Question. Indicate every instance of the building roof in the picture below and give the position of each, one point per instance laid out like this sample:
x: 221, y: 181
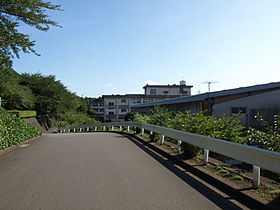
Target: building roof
x: 204, y: 96
x: 167, y: 86
x: 139, y: 96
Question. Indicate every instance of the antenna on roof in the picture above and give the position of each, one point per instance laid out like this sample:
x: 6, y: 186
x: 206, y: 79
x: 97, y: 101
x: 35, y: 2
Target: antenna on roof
x: 209, y: 83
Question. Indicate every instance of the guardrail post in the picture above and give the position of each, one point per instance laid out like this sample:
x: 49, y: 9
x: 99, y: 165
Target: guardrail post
x: 68, y: 130
x: 120, y: 128
x: 87, y: 129
x: 256, y: 176
x: 74, y: 130
x: 127, y: 128
x: 142, y: 131
x: 179, y: 146
x: 104, y: 128
x: 80, y: 129
x: 162, y: 139
x: 206, y: 155
x: 95, y: 128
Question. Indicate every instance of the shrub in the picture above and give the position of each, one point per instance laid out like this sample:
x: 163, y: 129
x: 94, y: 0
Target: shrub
x: 269, y: 138
x: 190, y: 150
x: 13, y: 130
x: 141, y: 118
x: 226, y: 128
x: 154, y: 136
x: 74, y: 118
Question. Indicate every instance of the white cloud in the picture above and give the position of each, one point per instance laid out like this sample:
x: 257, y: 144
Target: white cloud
x: 108, y: 85
x: 150, y: 82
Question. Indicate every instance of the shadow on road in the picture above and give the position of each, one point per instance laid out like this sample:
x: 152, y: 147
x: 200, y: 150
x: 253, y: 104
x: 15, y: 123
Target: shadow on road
x: 171, y: 162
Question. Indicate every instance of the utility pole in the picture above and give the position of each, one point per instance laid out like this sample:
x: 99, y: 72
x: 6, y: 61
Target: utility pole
x: 208, y: 95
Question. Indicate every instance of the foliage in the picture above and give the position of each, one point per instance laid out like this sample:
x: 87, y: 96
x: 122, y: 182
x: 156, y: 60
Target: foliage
x: 269, y: 138
x: 51, y: 96
x: 238, y: 177
x: 130, y: 116
x: 142, y: 118
x: 14, y: 95
x: 14, y: 12
x: 160, y: 116
x: 75, y: 118
x: 13, y: 130
x: 23, y: 114
x: 226, y: 128
x: 43, y: 94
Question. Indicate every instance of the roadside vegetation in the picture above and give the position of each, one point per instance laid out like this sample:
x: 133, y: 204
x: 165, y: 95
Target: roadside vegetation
x: 13, y: 130
x: 226, y: 128
x: 43, y: 96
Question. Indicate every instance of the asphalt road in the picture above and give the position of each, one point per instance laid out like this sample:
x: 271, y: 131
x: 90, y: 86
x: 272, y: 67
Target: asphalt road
x: 96, y: 171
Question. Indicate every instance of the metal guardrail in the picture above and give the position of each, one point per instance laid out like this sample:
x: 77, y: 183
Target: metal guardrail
x: 259, y: 158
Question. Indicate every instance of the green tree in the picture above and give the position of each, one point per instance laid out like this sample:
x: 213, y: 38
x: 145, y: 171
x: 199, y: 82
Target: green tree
x: 14, y: 95
x: 52, y: 97
x: 14, y: 12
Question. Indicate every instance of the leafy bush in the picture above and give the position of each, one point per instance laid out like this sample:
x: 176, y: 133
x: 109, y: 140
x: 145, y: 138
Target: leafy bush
x: 154, y: 136
x: 74, y: 118
x: 13, y: 130
x: 160, y: 116
x: 129, y: 116
x: 226, y: 128
x: 142, y: 118
x: 269, y: 138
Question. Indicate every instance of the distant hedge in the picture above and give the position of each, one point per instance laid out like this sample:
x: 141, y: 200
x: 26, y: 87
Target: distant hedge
x: 23, y: 114
x: 14, y: 130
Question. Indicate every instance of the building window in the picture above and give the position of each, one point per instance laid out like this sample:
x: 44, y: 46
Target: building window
x: 123, y: 110
x: 147, y: 100
x: 111, y: 113
x: 123, y: 100
x: 121, y: 117
x: 236, y: 110
x: 111, y: 104
x: 165, y: 92
x: 159, y: 99
x: 136, y: 100
x: 153, y: 91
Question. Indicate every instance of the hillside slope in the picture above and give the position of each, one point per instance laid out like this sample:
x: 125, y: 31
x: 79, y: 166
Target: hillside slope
x: 13, y: 130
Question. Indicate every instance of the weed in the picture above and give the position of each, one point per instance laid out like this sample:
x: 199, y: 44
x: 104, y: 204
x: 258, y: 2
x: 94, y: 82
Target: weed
x: 222, y: 170
x: 237, y: 177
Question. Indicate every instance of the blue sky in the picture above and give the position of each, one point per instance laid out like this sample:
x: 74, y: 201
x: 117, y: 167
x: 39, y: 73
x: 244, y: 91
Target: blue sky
x: 117, y: 46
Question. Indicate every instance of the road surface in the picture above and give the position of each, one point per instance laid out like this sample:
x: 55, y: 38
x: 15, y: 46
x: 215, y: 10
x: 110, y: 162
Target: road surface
x: 95, y: 171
